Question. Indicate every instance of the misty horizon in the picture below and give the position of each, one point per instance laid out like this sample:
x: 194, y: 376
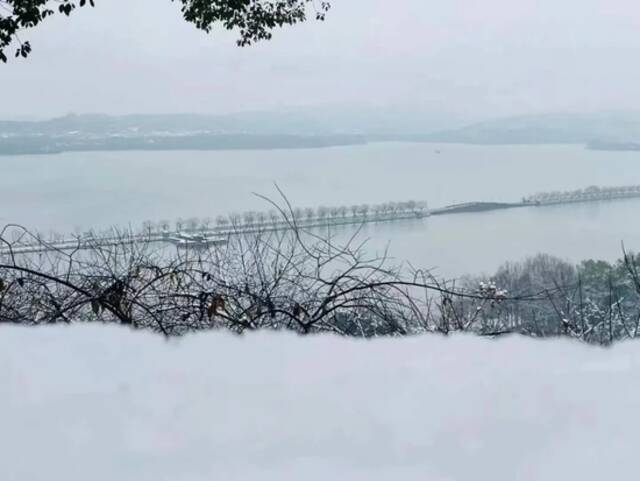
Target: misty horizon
x: 322, y: 108
x: 471, y: 61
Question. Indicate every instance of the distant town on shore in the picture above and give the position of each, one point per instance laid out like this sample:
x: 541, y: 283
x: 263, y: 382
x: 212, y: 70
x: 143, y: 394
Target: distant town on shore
x: 302, y: 129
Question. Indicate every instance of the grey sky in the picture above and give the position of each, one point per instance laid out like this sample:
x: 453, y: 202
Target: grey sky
x: 472, y: 57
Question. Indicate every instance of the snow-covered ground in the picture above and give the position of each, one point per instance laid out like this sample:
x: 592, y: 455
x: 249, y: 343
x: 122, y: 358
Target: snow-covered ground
x: 107, y: 404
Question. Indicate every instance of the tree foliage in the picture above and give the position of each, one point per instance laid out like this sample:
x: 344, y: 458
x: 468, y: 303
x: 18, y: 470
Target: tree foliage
x: 253, y: 19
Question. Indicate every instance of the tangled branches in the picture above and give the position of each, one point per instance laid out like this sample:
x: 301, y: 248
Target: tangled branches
x: 293, y: 279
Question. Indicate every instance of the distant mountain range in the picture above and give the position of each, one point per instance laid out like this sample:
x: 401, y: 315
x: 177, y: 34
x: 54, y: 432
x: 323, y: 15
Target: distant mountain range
x: 609, y: 128
x: 312, y: 122
x: 310, y: 129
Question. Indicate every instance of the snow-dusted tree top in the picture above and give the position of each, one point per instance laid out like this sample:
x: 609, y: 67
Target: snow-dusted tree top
x: 580, y: 195
x: 102, y: 403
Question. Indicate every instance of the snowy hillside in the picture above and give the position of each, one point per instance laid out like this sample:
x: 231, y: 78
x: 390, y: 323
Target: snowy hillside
x: 105, y: 404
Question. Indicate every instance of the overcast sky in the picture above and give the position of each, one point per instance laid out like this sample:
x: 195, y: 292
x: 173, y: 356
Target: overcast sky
x: 476, y: 58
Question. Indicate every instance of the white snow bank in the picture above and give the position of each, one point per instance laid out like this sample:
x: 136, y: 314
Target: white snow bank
x: 102, y: 403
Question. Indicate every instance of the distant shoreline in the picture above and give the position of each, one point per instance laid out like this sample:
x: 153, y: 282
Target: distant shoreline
x: 614, y: 132
x: 32, y: 145
x: 45, y: 145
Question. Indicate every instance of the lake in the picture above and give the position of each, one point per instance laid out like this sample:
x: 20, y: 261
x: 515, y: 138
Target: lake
x: 76, y: 191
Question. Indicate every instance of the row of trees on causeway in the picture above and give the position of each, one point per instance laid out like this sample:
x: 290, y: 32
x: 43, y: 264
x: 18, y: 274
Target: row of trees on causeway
x: 295, y: 279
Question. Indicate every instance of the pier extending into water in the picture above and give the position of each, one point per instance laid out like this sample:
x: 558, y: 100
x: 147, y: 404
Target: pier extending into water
x: 202, y: 233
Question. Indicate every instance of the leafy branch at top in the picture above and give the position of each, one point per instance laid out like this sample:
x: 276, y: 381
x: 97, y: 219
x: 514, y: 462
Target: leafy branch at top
x: 254, y: 19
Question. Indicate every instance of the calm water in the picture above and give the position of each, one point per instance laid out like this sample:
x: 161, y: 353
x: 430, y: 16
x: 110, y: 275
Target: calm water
x: 80, y: 190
